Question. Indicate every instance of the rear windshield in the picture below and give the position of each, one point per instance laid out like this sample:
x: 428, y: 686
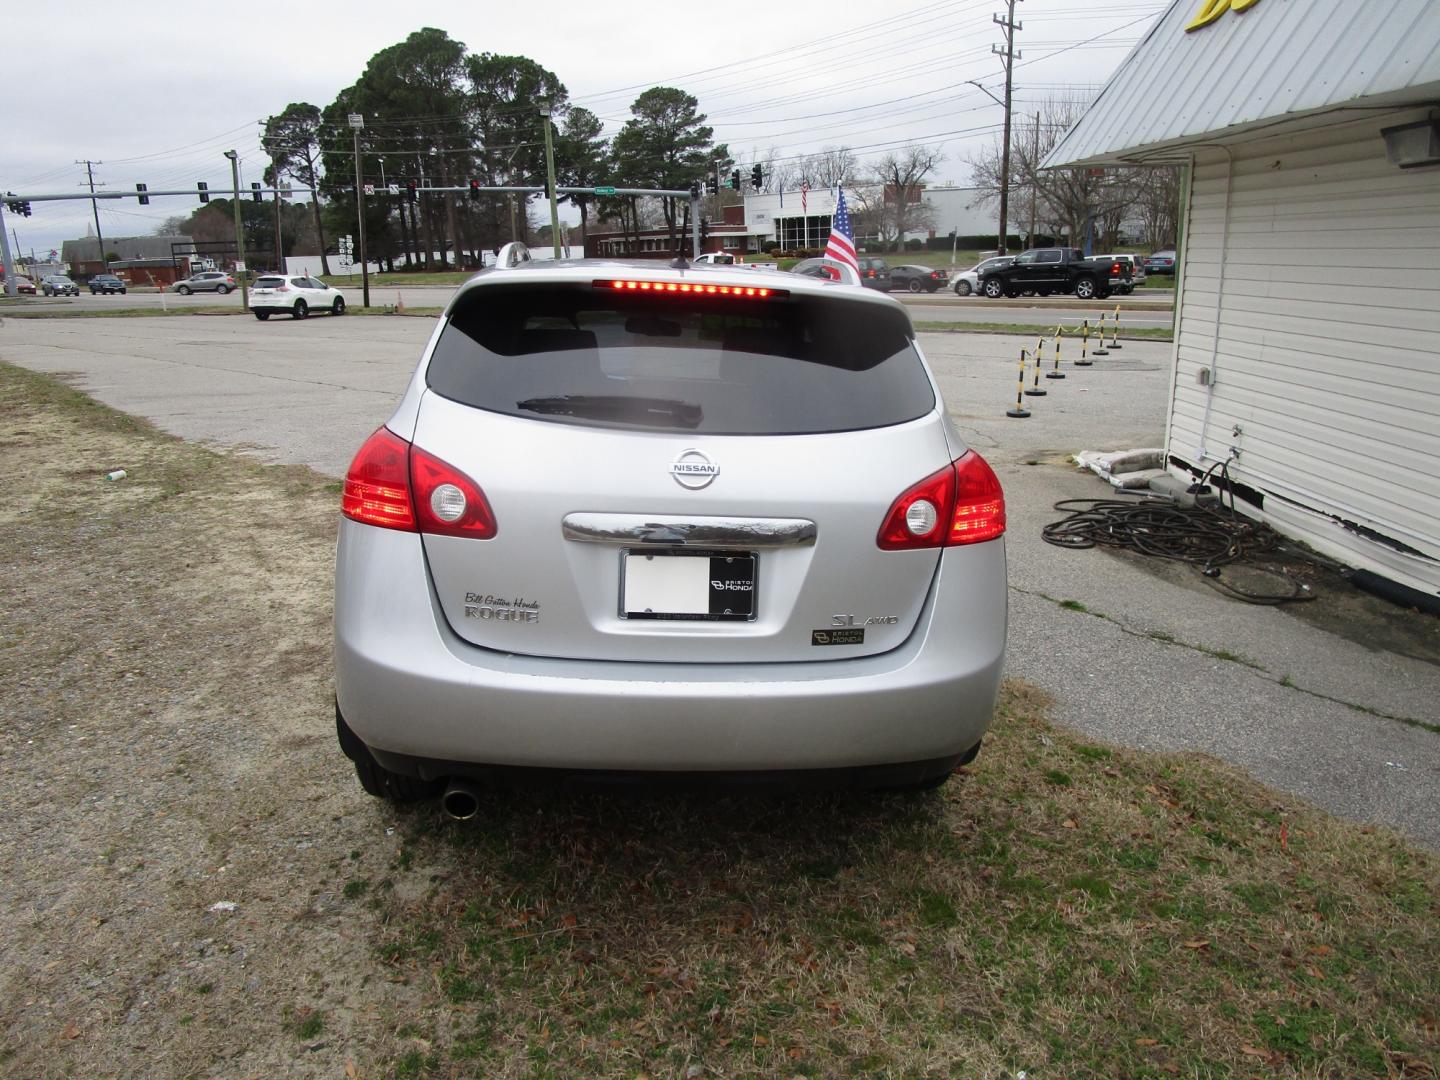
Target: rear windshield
x: 581, y: 354
x: 269, y: 282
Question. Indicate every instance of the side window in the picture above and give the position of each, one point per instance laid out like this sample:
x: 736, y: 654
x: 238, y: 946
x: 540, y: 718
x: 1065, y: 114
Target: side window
x: 1026, y: 258
x: 300, y: 282
x: 316, y: 283
x: 1048, y: 257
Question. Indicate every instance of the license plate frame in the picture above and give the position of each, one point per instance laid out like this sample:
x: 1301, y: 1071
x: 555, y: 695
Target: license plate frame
x: 652, y: 590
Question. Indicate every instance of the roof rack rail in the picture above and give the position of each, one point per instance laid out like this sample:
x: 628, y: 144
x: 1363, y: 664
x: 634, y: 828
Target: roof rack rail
x: 512, y: 255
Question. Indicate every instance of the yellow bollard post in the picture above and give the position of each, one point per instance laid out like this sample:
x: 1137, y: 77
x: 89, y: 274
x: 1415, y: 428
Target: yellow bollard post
x: 1115, y: 330
x: 1019, y: 411
x: 1084, y: 360
x: 1100, y: 349
x: 1035, y: 390
x: 1056, y: 373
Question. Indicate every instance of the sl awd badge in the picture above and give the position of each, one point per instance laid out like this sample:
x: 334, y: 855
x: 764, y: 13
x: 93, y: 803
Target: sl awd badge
x: 693, y: 470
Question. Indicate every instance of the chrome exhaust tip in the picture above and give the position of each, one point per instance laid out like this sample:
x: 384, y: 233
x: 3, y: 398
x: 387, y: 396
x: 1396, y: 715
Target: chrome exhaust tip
x: 461, y: 800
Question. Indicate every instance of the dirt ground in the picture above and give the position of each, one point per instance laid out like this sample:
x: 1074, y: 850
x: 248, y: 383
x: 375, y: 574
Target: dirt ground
x: 164, y: 674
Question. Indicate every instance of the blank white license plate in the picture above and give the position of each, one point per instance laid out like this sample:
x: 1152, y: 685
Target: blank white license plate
x: 715, y: 586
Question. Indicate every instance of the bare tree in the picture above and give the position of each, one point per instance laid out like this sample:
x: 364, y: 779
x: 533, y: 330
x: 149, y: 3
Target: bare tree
x: 1066, y: 200
x: 901, y: 175
x: 834, y: 166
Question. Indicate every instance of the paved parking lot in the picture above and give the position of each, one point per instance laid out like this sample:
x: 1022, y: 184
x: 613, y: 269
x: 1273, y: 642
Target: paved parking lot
x: 1298, y: 710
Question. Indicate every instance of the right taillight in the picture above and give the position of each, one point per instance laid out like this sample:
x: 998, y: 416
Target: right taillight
x: 960, y: 504
x: 395, y: 485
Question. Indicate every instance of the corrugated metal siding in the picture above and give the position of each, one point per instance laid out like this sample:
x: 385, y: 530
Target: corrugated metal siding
x: 1328, y: 354
x: 1280, y: 58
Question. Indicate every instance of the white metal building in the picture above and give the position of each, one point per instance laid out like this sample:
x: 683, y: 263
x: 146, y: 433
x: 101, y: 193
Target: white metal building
x: 960, y: 210
x: 1307, y: 351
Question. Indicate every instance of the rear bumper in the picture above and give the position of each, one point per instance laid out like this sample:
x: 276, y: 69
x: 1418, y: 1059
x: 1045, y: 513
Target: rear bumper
x: 420, y: 697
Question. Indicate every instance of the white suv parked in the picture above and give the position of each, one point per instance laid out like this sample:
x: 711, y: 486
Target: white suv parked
x: 295, y: 296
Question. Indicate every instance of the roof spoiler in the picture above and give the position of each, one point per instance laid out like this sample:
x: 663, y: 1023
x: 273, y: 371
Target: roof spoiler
x: 848, y: 274
x: 512, y: 255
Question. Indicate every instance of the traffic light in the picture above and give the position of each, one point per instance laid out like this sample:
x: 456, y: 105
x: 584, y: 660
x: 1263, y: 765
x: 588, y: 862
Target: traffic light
x: 255, y: 192
x: 18, y: 206
x: 204, y: 190
x: 735, y: 180
x: 704, y: 228
x: 475, y: 190
x: 757, y: 177
x: 140, y: 190
x: 694, y: 189
x: 412, y: 191
x: 712, y: 187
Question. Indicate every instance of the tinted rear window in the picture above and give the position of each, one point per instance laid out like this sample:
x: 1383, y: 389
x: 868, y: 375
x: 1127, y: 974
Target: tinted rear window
x: 269, y: 282
x: 575, y: 353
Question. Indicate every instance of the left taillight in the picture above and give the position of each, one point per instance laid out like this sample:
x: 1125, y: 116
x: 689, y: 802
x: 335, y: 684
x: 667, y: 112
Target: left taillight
x: 961, y: 504
x: 395, y: 485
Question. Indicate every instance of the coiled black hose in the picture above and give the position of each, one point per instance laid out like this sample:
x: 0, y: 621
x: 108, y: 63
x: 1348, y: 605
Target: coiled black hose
x: 1206, y: 538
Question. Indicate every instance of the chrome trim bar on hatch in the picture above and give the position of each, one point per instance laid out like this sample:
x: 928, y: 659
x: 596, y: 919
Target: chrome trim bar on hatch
x: 702, y: 532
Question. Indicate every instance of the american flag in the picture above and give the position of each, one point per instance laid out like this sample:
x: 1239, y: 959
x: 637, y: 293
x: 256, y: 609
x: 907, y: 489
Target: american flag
x: 842, y: 239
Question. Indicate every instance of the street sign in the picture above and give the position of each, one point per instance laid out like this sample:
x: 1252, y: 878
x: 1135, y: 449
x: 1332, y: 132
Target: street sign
x: 393, y: 189
x: 369, y: 189
x: 604, y: 191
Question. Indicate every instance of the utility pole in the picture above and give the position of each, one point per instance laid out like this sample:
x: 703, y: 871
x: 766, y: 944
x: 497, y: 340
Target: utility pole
x: 357, y: 124
x: 546, y: 110
x: 95, y: 209
x: 239, y: 231
x: 1008, y: 54
x: 1034, y: 181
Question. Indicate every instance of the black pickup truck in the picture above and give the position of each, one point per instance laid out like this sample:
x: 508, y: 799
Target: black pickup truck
x: 1044, y: 271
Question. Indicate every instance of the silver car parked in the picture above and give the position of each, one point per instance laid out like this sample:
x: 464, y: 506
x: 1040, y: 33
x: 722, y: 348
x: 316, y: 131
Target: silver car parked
x: 636, y: 519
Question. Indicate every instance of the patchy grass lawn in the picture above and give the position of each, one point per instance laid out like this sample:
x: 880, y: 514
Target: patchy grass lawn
x: 1061, y: 908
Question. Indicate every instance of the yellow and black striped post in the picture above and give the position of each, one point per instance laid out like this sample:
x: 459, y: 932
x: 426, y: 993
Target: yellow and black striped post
x: 1035, y: 390
x: 1019, y: 411
x: 1056, y: 373
x: 1084, y: 360
x: 1115, y: 330
x: 1100, y: 349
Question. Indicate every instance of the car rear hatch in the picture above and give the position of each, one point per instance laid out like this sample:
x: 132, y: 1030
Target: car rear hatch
x: 690, y: 478
x: 269, y: 288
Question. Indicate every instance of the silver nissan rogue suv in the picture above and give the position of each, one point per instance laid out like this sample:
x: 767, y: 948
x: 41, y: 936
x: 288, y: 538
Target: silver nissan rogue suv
x: 661, y: 521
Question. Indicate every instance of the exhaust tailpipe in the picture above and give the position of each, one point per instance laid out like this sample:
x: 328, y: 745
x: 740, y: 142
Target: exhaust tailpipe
x: 461, y: 800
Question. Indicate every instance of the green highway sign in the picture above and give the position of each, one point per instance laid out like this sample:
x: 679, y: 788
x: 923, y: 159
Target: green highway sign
x: 604, y: 191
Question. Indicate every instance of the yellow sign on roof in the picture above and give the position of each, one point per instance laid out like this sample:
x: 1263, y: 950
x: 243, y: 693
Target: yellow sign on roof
x: 1210, y: 10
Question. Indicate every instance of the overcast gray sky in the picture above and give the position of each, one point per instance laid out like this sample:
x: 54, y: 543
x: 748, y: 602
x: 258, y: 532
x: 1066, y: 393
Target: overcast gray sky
x: 157, y: 92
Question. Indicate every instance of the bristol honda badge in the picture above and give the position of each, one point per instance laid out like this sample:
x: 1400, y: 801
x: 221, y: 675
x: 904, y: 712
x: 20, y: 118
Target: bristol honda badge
x: 693, y: 470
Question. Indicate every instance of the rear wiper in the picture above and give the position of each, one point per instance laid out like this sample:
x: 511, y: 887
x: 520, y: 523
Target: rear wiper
x: 621, y: 408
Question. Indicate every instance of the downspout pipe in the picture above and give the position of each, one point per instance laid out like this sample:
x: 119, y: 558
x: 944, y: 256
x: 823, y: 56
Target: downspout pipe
x: 1202, y: 451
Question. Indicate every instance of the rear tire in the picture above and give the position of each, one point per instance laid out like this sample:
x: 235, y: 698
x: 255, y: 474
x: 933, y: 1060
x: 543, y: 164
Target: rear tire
x: 222, y: 289
x: 262, y: 315
x: 374, y: 777
x: 1085, y: 289
x: 993, y: 288
x: 301, y: 309
x: 962, y: 288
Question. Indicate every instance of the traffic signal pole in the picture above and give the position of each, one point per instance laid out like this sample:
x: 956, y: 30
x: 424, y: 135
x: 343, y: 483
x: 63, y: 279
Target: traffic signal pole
x: 5, y: 255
